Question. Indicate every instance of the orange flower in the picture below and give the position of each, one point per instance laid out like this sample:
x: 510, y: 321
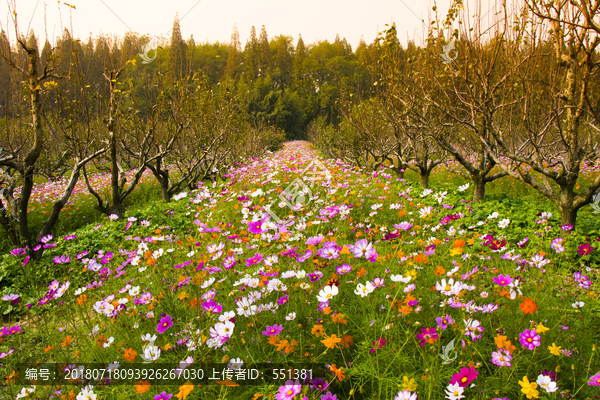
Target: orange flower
x: 142, y: 386
x: 327, y: 310
x: 458, y: 243
x: 347, y: 341
x: 100, y: 340
x: 274, y: 340
x: 502, y: 343
x: 339, y: 372
x: 439, y: 270
x: 331, y: 341
x: 405, y: 310
x: 528, y: 306
x: 339, y: 319
x: 130, y: 354
x: 194, y: 303
x: 361, y: 272
x: 67, y: 341
x: 184, y: 390
x: 82, y: 299
x: 317, y: 330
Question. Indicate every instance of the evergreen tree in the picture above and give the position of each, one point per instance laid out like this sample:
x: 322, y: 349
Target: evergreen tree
x: 264, y: 65
x: 234, y: 56
x: 251, y: 56
x: 176, y: 62
x: 5, y: 77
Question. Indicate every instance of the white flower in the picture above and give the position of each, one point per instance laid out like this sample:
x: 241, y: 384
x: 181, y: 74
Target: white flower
x: 450, y: 288
x: 400, y: 278
x: 291, y: 316
x: 425, y: 212
x: 86, y: 394
x: 113, y: 217
x: 405, y: 395
x: 109, y: 342
x: 364, y: 290
x: 493, y: 215
x: 327, y: 293
x: 464, y: 187
x: 547, y: 383
x: 578, y: 304
x: 149, y: 338
x: 454, y: 392
x: 235, y: 363
x: 134, y: 291
x: 440, y: 196
x: 504, y: 223
x: 426, y: 192
x: 151, y: 353
x: 257, y: 192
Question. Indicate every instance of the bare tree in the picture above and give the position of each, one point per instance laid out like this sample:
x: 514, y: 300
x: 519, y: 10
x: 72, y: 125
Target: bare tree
x: 19, y: 161
x: 557, y: 142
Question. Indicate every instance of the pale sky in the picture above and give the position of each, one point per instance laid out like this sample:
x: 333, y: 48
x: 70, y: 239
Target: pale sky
x: 213, y: 20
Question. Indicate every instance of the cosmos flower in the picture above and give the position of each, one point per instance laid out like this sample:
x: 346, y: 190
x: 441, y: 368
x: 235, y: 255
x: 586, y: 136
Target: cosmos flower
x: 530, y: 339
x: 164, y: 323
x: 464, y: 377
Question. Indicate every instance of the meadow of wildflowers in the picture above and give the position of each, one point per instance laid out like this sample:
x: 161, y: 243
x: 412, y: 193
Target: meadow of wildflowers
x: 366, y: 283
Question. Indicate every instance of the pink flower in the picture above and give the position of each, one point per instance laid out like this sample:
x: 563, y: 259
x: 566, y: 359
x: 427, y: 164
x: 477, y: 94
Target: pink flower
x: 164, y: 323
x: 584, y: 249
x: 464, y: 377
x: 289, y: 390
x: 530, y: 339
x: 163, y: 396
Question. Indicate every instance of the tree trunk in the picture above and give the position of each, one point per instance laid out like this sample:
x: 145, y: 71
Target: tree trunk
x: 568, y: 213
x: 425, y: 173
x: 164, y: 187
x: 478, y: 189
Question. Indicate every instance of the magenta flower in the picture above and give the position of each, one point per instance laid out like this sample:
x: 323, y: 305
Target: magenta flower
x: 62, y: 259
x: 503, y: 280
x: 255, y: 227
x: 254, y: 260
x: 273, y: 330
x: 164, y: 323
x: 427, y: 335
x: 584, y: 249
x: 329, y: 396
x: 464, y: 377
x: 530, y: 339
x: 162, y: 396
x: 212, y: 306
x: 378, y: 344
x: 289, y: 390
x: 594, y: 380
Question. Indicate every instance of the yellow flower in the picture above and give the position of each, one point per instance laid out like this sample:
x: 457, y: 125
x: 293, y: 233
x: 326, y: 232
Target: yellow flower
x: 529, y: 388
x: 409, y: 385
x: 554, y: 349
x: 541, y: 328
